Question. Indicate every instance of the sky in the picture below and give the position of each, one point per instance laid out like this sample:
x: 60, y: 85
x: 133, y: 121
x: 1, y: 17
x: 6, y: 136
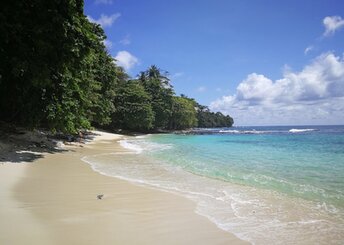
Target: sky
x: 264, y: 62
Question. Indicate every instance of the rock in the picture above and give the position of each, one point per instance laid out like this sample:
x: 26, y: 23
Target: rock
x: 59, y: 144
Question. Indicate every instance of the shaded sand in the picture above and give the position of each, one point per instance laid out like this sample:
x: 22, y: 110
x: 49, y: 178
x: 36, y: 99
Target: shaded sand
x: 54, y: 201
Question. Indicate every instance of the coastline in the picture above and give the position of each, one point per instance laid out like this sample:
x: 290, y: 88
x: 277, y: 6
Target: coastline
x: 54, y: 201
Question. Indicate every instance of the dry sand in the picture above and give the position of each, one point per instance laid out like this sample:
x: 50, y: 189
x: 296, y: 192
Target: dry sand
x: 54, y: 201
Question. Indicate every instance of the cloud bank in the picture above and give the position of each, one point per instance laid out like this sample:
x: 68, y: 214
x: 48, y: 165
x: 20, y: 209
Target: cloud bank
x: 315, y: 94
x: 126, y: 60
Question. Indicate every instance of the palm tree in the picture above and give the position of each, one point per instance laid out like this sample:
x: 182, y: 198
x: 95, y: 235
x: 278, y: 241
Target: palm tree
x: 154, y: 72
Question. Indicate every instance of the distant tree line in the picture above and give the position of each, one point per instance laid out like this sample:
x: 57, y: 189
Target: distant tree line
x: 208, y: 119
x: 55, y: 72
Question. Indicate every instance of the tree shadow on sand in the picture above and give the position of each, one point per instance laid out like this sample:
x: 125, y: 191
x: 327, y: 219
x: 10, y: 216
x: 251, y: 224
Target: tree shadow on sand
x: 26, y: 146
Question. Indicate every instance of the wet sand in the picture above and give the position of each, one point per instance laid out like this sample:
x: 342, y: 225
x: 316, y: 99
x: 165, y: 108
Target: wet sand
x: 54, y: 201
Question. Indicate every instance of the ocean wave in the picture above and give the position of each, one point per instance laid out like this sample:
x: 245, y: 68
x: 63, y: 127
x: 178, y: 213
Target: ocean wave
x: 131, y: 146
x: 252, y: 212
x: 138, y: 145
x: 234, y: 208
x: 299, y: 130
x: 249, y: 131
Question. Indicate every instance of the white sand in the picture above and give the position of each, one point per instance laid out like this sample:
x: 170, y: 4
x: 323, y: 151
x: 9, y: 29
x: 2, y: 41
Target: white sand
x: 53, y: 201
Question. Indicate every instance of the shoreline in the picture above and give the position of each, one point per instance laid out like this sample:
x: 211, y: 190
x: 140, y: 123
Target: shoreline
x: 57, y: 196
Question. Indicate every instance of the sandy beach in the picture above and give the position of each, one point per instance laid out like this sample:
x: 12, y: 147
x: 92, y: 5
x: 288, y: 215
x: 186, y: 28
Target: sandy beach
x: 53, y: 200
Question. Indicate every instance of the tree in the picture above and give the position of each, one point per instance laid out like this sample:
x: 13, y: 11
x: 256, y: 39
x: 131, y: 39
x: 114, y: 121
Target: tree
x: 55, y: 72
x: 108, y: 76
x: 183, y: 113
x: 161, y: 92
x: 50, y: 71
x: 133, y: 108
x: 208, y: 119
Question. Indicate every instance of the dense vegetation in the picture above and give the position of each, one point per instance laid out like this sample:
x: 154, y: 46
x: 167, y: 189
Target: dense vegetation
x: 208, y: 119
x: 55, y: 72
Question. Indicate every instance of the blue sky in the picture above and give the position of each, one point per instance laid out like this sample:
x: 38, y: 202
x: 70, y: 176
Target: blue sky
x: 262, y: 62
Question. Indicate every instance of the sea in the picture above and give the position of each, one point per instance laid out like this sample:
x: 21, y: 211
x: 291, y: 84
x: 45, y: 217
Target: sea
x: 266, y: 185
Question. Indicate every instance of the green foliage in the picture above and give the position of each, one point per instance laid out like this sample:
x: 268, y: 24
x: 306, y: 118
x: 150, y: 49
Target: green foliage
x: 55, y: 72
x: 161, y: 92
x: 183, y: 113
x: 134, y: 110
x: 208, y: 119
x: 50, y: 71
x: 108, y: 76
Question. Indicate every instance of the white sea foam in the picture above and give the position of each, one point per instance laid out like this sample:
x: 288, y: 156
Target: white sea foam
x: 230, y: 131
x: 299, y: 130
x: 249, y: 131
x: 139, y: 144
x: 131, y: 146
x: 253, y: 131
x: 142, y: 136
x: 251, y: 214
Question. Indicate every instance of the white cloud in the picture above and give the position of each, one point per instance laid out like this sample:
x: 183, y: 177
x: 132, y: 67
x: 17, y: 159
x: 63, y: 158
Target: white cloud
x: 126, y: 40
x: 108, y: 44
x: 313, y: 95
x: 254, y: 88
x: 308, y: 49
x: 201, y: 89
x: 105, y: 20
x: 126, y: 60
x: 332, y: 24
x: 103, y: 1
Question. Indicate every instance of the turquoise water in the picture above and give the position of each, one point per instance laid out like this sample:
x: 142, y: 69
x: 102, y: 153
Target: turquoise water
x: 300, y: 163
x: 266, y: 185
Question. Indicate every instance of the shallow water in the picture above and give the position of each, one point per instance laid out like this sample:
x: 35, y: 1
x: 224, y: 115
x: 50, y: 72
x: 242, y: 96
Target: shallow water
x: 280, y: 185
